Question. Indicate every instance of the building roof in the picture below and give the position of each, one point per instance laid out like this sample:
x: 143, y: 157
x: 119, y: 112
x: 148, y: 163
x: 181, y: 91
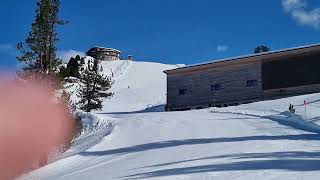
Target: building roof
x: 264, y: 54
x: 104, y: 48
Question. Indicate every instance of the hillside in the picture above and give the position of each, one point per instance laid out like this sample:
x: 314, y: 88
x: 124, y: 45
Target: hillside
x: 128, y: 139
x: 138, y: 85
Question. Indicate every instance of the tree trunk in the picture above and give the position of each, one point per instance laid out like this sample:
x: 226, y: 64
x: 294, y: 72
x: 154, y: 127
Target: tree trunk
x: 50, y: 47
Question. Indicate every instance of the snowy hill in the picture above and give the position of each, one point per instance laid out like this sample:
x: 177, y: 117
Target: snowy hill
x: 138, y: 85
x: 129, y: 141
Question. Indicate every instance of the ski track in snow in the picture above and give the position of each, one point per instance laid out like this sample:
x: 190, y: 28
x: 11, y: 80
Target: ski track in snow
x: 129, y: 140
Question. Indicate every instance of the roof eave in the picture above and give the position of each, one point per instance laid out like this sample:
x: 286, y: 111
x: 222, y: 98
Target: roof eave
x: 171, y: 71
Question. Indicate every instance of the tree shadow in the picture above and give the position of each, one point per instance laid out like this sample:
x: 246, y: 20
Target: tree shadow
x: 277, y: 155
x: 229, y: 119
x: 315, y: 120
x: 159, y: 108
x: 293, y: 121
x: 270, y: 164
x: 311, y: 102
x: 175, y: 143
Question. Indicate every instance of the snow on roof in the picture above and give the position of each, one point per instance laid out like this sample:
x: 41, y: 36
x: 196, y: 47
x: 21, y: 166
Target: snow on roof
x: 106, y: 48
x: 246, y: 56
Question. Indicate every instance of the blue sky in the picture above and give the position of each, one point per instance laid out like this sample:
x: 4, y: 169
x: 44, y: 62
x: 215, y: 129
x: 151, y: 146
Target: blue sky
x: 168, y: 31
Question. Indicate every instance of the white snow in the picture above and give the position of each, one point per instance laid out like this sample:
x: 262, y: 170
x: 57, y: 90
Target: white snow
x: 138, y: 86
x: 132, y: 141
x: 95, y: 128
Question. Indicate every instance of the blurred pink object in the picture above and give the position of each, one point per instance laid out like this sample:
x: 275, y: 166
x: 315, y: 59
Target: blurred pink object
x: 32, y: 124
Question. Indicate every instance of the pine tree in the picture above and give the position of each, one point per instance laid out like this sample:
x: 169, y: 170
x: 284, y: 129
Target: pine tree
x: 82, y: 62
x: 38, y: 52
x: 73, y: 67
x: 63, y: 73
x: 93, y: 88
x: 261, y: 49
x: 65, y: 99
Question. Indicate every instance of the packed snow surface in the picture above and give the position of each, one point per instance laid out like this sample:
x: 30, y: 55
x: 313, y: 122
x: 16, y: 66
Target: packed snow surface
x: 137, y: 141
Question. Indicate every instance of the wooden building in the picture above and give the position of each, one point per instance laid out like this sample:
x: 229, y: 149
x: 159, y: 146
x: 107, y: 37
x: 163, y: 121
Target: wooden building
x: 245, y: 79
x: 104, y: 54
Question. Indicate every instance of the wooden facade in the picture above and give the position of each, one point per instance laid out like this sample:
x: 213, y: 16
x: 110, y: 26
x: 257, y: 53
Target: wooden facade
x: 244, y: 79
x: 104, y: 54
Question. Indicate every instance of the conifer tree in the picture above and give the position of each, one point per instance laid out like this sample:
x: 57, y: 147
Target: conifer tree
x: 65, y: 99
x: 63, y: 73
x: 73, y: 67
x: 261, y: 49
x: 38, y: 52
x: 93, y: 88
x: 82, y: 62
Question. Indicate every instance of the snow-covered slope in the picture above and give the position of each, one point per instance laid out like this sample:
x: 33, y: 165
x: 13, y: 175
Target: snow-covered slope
x: 255, y: 141
x: 138, y: 85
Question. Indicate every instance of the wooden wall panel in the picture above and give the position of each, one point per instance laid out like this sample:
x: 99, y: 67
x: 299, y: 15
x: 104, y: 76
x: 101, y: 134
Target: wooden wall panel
x: 232, y: 79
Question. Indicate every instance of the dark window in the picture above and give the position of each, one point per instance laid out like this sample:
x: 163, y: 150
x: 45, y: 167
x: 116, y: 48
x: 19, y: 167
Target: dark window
x: 291, y: 71
x: 216, y: 87
x: 182, y: 91
x: 252, y: 83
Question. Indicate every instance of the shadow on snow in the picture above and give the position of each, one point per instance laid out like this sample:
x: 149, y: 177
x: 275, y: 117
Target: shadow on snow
x: 270, y: 164
x: 175, y: 143
x: 159, y: 108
